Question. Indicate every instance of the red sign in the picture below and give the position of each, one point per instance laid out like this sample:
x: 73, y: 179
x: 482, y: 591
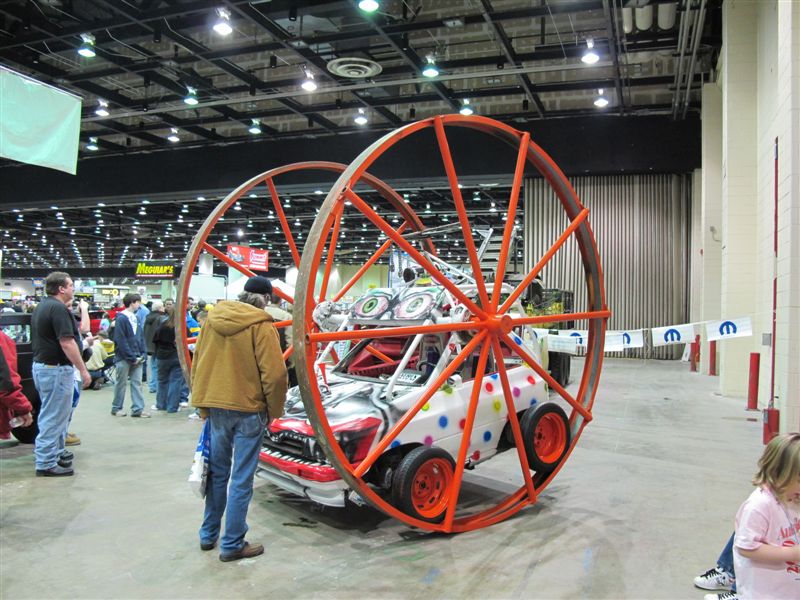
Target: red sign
x: 252, y: 258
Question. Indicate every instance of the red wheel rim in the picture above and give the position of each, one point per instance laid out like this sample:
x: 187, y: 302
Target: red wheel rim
x: 429, y: 490
x: 550, y: 438
x: 491, y: 324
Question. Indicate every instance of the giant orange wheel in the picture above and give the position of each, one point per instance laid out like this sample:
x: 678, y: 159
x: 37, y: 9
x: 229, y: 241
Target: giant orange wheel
x: 428, y: 484
x: 270, y: 182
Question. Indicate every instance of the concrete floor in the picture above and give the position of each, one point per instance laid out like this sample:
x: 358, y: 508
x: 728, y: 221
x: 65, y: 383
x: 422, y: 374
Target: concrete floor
x: 644, y: 504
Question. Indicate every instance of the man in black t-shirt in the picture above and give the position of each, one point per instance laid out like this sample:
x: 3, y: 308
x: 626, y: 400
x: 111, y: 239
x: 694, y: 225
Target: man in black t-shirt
x: 56, y: 353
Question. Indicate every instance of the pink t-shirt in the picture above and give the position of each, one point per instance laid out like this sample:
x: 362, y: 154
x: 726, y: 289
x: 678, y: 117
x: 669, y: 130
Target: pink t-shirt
x: 764, y: 520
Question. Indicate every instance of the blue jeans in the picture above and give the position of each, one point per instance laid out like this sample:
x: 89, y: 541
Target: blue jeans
x: 56, y: 386
x: 170, y: 382
x: 725, y: 560
x: 152, y: 378
x: 237, y: 434
x: 125, y: 371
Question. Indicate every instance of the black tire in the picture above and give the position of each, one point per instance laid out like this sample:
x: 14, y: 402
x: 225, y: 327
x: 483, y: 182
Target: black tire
x: 559, y: 364
x: 545, y: 435
x: 421, y: 483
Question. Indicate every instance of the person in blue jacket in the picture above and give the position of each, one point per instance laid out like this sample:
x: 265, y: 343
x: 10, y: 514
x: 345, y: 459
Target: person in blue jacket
x: 129, y: 355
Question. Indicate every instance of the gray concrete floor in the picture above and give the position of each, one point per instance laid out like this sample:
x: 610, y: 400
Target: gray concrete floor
x: 645, y: 503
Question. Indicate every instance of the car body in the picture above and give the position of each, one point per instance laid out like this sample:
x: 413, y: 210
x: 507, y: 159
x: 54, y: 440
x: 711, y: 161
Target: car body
x: 378, y: 380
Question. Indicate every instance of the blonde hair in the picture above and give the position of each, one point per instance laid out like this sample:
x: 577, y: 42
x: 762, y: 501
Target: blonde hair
x: 779, y: 465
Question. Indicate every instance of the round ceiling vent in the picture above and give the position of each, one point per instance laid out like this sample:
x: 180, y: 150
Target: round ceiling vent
x: 354, y: 68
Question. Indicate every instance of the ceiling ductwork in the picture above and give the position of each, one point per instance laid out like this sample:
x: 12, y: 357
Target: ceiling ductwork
x: 667, y: 14
x: 353, y: 67
x: 644, y: 18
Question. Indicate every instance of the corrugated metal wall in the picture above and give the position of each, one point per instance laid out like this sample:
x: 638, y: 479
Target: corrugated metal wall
x: 641, y: 225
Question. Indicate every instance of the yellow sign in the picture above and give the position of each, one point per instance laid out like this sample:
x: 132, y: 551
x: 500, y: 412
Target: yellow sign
x: 156, y: 271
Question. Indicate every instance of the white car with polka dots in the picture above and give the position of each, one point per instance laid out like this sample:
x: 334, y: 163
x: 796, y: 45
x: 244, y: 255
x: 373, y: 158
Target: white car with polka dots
x: 378, y: 380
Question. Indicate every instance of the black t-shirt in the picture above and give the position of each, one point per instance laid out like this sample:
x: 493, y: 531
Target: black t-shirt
x: 164, y: 341
x: 50, y: 322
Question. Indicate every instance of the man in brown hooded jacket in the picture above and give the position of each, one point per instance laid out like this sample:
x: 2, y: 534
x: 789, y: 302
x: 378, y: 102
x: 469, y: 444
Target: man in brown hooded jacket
x: 239, y: 382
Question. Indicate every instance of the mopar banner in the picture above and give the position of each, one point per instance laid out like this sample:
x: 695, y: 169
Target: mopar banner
x: 255, y: 259
x: 147, y: 269
x: 673, y: 334
x: 720, y: 330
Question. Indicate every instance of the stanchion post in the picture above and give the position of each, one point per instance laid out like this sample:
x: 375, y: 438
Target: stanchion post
x: 752, y: 390
x: 694, y: 350
x: 712, y: 357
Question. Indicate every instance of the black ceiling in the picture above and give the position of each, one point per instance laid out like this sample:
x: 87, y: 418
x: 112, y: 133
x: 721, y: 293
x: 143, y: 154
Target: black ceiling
x: 515, y: 60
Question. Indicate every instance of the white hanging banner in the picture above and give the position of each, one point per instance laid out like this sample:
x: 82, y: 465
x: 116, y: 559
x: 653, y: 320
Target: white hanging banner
x: 632, y: 338
x: 540, y: 334
x: 731, y: 328
x: 673, y: 334
x: 581, y: 335
x: 614, y: 342
x: 562, y: 343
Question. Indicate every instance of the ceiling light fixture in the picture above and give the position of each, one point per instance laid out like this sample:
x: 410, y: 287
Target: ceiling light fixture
x: 255, y: 127
x: 102, y: 108
x: 601, y: 101
x: 191, y: 96
x: 173, y: 136
x: 368, y: 5
x: 466, y: 109
x: 223, y: 25
x: 309, y: 84
x: 590, y: 57
x: 430, y: 69
x: 86, y: 49
x: 92, y: 145
x: 361, y: 118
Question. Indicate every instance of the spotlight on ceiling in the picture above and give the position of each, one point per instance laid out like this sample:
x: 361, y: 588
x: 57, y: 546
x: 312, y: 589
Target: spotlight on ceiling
x: 223, y: 23
x: 92, y: 146
x: 255, y: 127
x: 102, y: 108
x: 590, y: 56
x: 466, y: 109
x: 430, y: 69
x: 368, y: 5
x: 191, y: 96
x: 601, y: 101
x: 173, y: 135
x: 361, y: 118
x: 309, y: 84
x: 86, y: 48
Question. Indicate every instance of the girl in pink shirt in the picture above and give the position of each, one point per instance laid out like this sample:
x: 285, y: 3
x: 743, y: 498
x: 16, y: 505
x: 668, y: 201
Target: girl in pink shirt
x: 767, y: 542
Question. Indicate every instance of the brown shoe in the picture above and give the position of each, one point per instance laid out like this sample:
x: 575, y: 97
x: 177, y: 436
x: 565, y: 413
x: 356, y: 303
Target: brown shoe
x: 248, y: 551
x: 72, y: 440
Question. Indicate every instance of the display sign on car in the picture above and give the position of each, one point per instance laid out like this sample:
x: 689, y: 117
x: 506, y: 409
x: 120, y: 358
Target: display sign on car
x: 252, y: 258
x: 148, y: 269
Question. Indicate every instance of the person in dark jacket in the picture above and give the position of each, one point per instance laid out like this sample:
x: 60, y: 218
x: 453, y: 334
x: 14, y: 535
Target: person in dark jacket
x: 152, y: 322
x: 170, y: 375
x: 13, y: 402
x: 129, y: 356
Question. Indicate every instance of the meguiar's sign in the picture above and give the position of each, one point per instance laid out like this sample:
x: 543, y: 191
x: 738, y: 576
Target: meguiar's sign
x: 153, y: 270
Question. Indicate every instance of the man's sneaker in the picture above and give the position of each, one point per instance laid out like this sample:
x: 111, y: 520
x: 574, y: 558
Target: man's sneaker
x: 119, y: 413
x: 194, y: 416
x: 56, y: 471
x: 155, y: 408
x: 72, y: 440
x: 141, y: 415
x: 722, y: 596
x: 714, y: 579
x: 67, y: 455
x: 184, y: 404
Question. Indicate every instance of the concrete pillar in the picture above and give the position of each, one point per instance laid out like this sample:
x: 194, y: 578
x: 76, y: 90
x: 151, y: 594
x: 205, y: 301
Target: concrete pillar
x: 711, y: 212
x: 787, y: 102
x: 739, y: 185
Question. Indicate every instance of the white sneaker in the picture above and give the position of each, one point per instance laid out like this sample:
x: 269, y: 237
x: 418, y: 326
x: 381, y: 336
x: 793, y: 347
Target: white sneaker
x: 722, y: 596
x: 155, y: 408
x: 183, y: 404
x: 715, y: 579
x: 194, y: 416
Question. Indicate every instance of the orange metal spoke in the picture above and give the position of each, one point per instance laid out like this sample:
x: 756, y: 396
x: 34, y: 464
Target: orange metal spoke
x: 412, y: 252
x: 595, y: 314
x: 331, y: 250
x: 455, y: 489
x: 227, y: 259
x: 545, y: 259
x: 372, y: 260
x: 469, y: 242
x: 432, y: 388
x: 281, y: 324
x: 546, y: 376
x: 287, y: 231
x: 377, y: 353
x: 512, y: 214
x: 288, y: 352
x: 382, y: 332
x: 512, y: 418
